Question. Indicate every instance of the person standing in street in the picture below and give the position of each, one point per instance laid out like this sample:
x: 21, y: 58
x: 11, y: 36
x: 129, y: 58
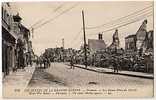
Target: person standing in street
x: 72, y: 62
x: 48, y: 61
x: 115, y: 64
x: 37, y: 61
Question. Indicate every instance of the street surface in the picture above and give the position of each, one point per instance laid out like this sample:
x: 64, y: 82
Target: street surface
x: 60, y: 75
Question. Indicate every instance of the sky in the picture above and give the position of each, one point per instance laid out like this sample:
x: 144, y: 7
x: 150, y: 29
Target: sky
x: 69, y: 24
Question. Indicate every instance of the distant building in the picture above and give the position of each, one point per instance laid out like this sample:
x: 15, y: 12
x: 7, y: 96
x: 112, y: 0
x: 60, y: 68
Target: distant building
x: 96, y: 44
x: 139, y: 42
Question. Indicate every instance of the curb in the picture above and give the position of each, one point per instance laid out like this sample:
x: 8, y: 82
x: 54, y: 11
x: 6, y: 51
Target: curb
x: 132, y: 75
x: 23, y: 83
x: 30, y: 77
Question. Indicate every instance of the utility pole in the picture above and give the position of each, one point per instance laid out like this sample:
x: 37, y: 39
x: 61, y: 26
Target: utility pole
x: 63, y: 43
x: 85, y: 50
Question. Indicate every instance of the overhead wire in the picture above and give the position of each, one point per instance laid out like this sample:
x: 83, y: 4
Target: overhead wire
x: 55, y: 10
x: 124, y: 17
x: 123, y: 21
x: 118, y: 25
x: 125, y: 24
x: 129, y: 21
x: 52, y: 19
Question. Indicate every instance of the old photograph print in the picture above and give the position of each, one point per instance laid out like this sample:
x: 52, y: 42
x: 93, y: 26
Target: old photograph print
x: 77, y: 49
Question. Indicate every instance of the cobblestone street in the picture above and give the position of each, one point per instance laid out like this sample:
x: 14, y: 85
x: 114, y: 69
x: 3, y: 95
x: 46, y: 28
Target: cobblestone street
x: 60, y: 74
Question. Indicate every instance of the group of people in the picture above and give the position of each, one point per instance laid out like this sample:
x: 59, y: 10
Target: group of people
x: 43, y: 62
x: 132, y: 63
x: 115, y: 63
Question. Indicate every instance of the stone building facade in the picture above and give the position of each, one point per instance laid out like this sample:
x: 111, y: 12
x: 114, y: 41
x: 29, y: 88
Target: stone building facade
x: 15, y: 37
x: 8, y: 40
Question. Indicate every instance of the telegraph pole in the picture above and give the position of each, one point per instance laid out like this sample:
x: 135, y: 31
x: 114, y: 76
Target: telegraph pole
x: 63, y: 43
x: 85, y: 50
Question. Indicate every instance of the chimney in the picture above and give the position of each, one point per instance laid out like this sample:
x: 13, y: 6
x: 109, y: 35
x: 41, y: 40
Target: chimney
x: 100, y: 36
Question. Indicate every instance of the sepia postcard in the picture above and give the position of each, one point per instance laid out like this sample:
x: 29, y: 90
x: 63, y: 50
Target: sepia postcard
x: 58, y: 49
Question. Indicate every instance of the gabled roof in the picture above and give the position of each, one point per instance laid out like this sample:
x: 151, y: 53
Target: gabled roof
x: 95, y: 44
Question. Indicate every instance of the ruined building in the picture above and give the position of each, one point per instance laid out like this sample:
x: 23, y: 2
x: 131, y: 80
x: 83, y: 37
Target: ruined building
x: 115, y: 43
x: 142, y: 41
